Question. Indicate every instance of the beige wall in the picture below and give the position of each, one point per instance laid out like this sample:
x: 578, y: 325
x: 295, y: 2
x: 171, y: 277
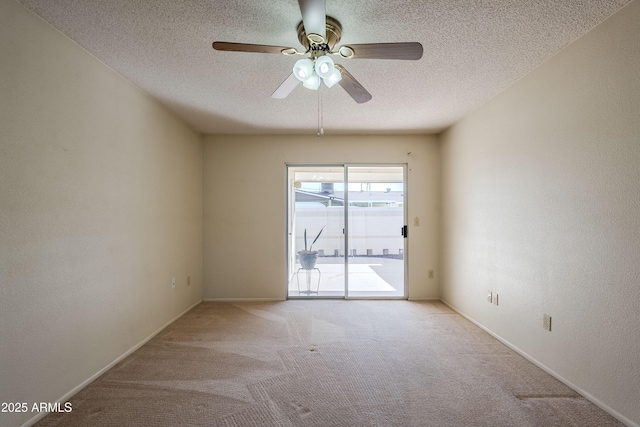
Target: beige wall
x: 100, y: 206
x: 541, y: 203
x: 245, y: 206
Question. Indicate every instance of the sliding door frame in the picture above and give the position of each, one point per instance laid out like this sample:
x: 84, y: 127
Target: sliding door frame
x: 345, y: 182
x: 289, y: 246
x: 405, y: 240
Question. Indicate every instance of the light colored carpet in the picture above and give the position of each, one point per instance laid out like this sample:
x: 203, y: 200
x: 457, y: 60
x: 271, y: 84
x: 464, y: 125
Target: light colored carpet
x: 327, y: 363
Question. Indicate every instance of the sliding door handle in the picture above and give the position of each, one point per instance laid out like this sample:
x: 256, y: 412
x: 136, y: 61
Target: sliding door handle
x: 404, y: 231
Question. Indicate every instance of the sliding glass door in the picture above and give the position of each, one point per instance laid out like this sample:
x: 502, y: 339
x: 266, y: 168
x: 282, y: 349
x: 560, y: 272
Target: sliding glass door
x: 316, y: 231
x: 376, y: 219
x: 345, y: 231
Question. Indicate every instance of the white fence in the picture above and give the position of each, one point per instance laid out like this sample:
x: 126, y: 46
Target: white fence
x: 372, y: 231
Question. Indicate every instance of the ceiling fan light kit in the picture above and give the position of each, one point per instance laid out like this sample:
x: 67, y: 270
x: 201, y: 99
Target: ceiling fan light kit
x: 312, y: 82
x: 324, y: 66
x: 319, y: 34
x: 332, y: 78
x: 310, y: 73
x: 303, y: 69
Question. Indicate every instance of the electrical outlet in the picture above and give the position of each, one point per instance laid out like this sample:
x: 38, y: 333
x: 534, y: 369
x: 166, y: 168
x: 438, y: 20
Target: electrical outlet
x: 430, y: 274
x: 489, y: 294
x: 173, y: 283
x: 546, y: 322
x: 494, y: 298
x: 188, y: 280
x: 416, y: 222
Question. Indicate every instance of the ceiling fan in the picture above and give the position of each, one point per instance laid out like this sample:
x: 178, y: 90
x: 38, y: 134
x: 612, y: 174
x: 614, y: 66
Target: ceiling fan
x: 319, y: 34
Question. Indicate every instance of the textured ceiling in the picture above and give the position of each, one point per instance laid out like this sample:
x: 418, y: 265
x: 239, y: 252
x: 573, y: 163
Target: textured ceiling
x: 473, y: 49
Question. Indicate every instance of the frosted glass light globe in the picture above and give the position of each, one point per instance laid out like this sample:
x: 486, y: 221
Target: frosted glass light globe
x: 324, y: 66
x: 303, y: 69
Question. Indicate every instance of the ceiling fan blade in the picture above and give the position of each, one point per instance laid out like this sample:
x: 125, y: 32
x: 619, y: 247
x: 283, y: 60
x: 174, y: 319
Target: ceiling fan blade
x: 245, y: 47
x: 353, y: 87
x: 286, y: 87
x: 411, y: 50
x: 314, y: 16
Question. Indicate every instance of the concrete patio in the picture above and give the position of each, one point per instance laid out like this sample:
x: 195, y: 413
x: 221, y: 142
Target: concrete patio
x: 368, y: 277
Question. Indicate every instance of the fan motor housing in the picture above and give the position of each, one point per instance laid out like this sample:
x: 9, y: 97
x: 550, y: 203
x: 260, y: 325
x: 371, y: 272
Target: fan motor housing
x: 333, y: 34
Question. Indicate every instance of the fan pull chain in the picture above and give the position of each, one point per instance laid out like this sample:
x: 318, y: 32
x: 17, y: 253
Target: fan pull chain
x: 320, y: 115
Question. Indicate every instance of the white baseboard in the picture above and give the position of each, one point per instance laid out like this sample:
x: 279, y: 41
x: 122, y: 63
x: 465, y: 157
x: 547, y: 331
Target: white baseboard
x: 548, y: 370
x: 284, y: 299
x: 243, y: 299
x: 93, y: 377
